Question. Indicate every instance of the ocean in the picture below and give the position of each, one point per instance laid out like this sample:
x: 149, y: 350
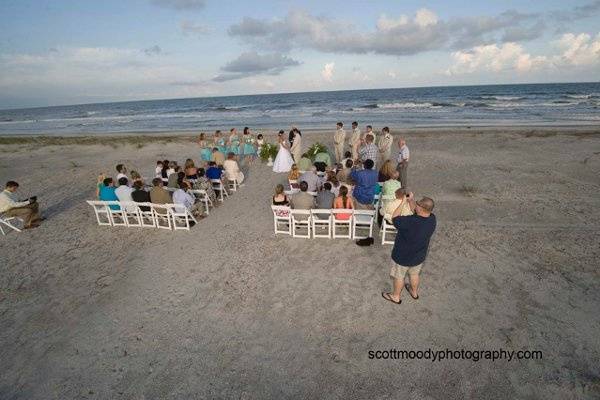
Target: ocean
x: 489, y: 105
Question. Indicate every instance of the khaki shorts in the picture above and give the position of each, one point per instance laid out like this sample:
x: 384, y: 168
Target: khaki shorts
x: 399, y: 271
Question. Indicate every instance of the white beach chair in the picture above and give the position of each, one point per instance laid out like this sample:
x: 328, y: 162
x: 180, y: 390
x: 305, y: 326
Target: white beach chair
x: 132, y: 213
x: 301, y: 221
x: 321, y: 220
x: 344, y: 224
x: 8, y: 223
x: 118, y: 215
x: 147, y: 219
x: 162, y: 219
x: 219, y: 187
x: 291, y: 192
x: 387, y: 228
x: 181, y: 217
x: 282, y: 221
x: 101, y: 211
x: 233, y: 184
x: 202, y: 196
x: 362, y: 220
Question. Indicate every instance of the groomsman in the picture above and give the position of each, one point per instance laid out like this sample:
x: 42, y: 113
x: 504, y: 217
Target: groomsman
x: 385, y: 144
x: 355, y: 140
x: 339, y: 139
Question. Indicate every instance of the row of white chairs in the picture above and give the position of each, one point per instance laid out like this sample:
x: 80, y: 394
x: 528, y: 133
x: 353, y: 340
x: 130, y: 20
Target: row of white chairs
x: 143, y: 215
x: 323, y: 223
x: 10, y: 223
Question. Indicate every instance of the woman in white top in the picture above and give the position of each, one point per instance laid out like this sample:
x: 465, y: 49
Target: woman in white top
x: 232, y: 169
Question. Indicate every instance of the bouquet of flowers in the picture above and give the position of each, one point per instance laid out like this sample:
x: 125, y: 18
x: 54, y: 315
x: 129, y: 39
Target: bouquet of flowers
x: 268, y: 150
x: 315, y: 149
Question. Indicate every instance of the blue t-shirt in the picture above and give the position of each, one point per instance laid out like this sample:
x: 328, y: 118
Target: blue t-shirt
x: 412, y: 239
x: 366, y: 180
x: 213, y: 173
x: 107, y: 193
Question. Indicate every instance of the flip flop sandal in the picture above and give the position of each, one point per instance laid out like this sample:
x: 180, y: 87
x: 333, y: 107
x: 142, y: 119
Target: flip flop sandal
x: 407, y: 287
x: 389, y: 298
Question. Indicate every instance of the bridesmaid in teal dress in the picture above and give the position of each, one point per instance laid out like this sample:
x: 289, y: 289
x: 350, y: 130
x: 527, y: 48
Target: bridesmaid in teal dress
x: 234, y: 142
x: 220, y: 142
x: 205, y: 149
x: 249, y: 145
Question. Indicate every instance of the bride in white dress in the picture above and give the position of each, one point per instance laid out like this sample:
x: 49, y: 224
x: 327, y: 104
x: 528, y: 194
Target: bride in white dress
x: 283, y: 162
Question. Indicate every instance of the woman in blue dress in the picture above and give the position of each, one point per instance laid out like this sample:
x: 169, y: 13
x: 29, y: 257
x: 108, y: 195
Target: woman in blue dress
x: 249, y: 145
x: 233, y: 142
x: 220, y: 142
x: 205, y: 149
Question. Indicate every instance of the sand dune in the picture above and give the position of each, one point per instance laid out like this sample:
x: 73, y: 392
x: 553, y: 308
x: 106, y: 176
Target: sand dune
x: 228, y: 310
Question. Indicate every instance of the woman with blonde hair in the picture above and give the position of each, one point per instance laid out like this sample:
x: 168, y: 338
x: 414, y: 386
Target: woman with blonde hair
x: 387, y: 171
x: 191, y: 172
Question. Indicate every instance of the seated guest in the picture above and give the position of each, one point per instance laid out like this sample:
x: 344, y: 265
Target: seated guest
x: 294, y: 173
x: 391, y: 184
x: 202, y: 183
x: 311, y: 179
x: 190, y: 169
x: 387, y: 171
x: 121, y: 171
x: 217, y: 156
x: 123, y: 193
x: 401, y: 201
x: 158, y: 169
x: 347, y: 156
x: 158, y: 195
x: 213, y: 172
x: 325, y: 197
x: 344, y: 174
x: 365, y: 181
x: 305, y: 163
x: 174, y: 177
x: 135, y: 176
x: 343, y: 201
x: 186, y: 200
x: 99, y: 184
x: 280, y: 199
x: 107, y: 192
x: 232, y: 169
x: 302, y: 200
x: 164, y: 173
x: 139, y: 195
x: 333, y: 181
x: 27, y: 210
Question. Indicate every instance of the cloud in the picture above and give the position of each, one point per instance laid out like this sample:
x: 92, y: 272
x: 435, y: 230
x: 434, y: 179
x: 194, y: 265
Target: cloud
x: 180, y: 4
x: 576, y: 50
x: 190, y: 28
x: 152, y: 51
x: 392, y: 36
x: 327, y: 72
x: 251, y: 63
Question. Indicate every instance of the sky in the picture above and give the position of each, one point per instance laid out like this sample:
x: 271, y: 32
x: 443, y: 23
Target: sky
x: 59, y: 52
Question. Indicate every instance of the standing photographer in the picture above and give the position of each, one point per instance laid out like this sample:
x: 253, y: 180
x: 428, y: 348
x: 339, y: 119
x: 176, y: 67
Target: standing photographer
x: 28, y: 210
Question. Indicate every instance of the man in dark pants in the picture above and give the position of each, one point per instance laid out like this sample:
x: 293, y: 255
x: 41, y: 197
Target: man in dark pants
x: 410, y: 247
x: 402, y: 167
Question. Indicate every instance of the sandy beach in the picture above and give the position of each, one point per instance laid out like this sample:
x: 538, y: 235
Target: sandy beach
x: 229, y: 310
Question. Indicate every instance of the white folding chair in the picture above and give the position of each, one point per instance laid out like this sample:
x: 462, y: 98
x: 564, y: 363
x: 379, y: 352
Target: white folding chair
x: 147, y: 219
x: 376, y: 201
x: 321, y: 220
x: 117, y: 214
x: 233, y: 184
x: 181, y: 217
x: 101, y: 211
x: 361, y: 220
x: 7, y: 222
x: 219, y: 187
x: 345, y: 224
x: 291, y: 191
x: 162, y: 218
x: 300, y: 220
x: 282, y: 221
x: 387, y: 228
x: 293, y: 183
x: 204, y: 199
x: 132, y: 213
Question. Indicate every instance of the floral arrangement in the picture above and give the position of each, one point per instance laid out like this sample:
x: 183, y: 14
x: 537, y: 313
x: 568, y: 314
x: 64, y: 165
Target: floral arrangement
x: 315, y: 149
x: 268, y: 150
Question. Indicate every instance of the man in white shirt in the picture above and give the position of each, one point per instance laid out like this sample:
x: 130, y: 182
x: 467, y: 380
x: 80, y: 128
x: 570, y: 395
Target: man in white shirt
x: 339, y: 139
x: 403, y: 157
x: 27, y: 210
x: 385, y: 144
x: 355, y: 140
x: 186, y: 200
x: 123, y: 193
